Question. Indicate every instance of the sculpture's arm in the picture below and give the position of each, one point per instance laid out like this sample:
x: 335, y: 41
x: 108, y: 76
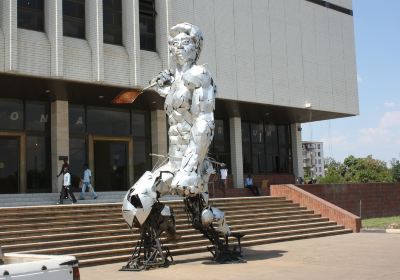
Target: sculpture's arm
x: 163, y: 82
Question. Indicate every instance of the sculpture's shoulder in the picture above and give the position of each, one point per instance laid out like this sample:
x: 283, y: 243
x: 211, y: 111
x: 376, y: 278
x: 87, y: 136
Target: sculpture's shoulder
x: 197, y: 76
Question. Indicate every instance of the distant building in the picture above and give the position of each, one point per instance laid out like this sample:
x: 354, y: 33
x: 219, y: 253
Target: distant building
x: 313, y: 158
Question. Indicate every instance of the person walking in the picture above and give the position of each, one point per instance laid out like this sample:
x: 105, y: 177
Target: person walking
x: 224, y: 178
x: 66, y: 188
x: 86, y: 182
x: 248, y: 183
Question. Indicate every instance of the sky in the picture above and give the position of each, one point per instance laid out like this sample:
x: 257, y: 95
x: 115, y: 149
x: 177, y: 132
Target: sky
x: 376, y: 131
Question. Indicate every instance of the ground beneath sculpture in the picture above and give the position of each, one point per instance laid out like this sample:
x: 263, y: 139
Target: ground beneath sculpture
x: 351, y: 256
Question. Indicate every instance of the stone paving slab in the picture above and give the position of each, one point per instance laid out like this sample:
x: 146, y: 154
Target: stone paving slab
x: 366, y: 256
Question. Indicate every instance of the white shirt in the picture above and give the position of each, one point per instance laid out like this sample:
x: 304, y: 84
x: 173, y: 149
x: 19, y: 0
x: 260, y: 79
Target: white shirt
x: 86, y: 175
x: 67, y: 179
x: 248, y: 182
x: 224, y: 173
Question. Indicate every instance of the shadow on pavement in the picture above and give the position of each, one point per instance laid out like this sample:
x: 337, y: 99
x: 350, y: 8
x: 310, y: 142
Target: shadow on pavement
x: 248, y: 255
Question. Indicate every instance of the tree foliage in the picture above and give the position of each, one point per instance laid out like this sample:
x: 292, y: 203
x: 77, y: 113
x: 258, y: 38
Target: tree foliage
x: 395, y: 169
x: 357, y: 170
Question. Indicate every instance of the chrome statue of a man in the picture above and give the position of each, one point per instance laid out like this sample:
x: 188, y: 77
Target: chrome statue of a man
x: 189, y: 93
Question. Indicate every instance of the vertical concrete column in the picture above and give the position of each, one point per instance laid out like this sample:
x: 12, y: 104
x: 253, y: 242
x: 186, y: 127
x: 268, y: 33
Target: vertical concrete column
x: 131, y: 38
x: 59, y: 139
x: 297, y: 151
x: 94, y: 36
x: 54, y: 30
x: 235, y: 128
x: 8, y: 21
x: 159, y: 134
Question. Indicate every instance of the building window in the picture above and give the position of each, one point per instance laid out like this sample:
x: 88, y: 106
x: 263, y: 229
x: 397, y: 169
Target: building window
x: 147, y: 19
x: 11, y: 114
x: 108, y: 121
x: 74, y: 18
x: 220, y: 146
x: 112, y: 22
x: 266, y: 148
x: 30, y: 14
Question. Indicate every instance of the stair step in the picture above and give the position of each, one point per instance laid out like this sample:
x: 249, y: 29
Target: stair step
x: 96, y: 233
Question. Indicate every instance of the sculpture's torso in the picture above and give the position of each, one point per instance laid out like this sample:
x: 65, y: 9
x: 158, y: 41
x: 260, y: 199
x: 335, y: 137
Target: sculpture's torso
x: 184, y: 105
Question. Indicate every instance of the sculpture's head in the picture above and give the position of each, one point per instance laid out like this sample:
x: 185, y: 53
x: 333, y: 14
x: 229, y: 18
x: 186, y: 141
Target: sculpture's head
x: 185, y: 43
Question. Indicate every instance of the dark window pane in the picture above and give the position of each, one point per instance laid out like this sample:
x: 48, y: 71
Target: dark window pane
x: 112, y: 22
x: 11, y: 114
x: 106, y: 121
x: 77, y: 158
x: 147, y: 19
x: 140, y: 157
x: 37, y: 116
x: 271, y: 139
x: 219, y: 131
x: 259, y: 162
x: 37, y: 164
x: 30, y: 14
x: 74, y: 18
x: 138, y: 124
x: 257, y: 133
x: 77, y: 120
x: 220, y: 146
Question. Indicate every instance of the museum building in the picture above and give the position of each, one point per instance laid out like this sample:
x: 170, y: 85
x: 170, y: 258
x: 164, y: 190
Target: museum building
x: 276, y: 64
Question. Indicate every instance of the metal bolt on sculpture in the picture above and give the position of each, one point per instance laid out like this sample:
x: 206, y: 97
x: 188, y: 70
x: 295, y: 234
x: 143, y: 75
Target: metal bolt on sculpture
x: 189, y: 93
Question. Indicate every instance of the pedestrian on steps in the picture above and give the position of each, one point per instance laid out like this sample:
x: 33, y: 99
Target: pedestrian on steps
x: 86, y: 182
x: 66, y: 190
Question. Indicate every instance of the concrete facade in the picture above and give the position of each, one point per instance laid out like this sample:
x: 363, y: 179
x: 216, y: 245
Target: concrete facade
x: 278, y: 52
x: 282, y: 54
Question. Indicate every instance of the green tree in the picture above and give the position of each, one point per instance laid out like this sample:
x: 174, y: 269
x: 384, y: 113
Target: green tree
x: 395, y: 169
x: 332, y: 172
x: 357, y: 170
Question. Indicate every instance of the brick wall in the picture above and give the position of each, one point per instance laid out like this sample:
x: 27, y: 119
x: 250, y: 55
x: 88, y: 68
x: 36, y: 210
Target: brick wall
x: 318, y: 205
x: 215, y: 187
x: 365, y: 200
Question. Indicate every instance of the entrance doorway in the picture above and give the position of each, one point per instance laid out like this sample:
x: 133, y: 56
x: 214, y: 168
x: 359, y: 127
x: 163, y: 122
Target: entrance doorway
x: 9, y: 164
x: 111, y: 160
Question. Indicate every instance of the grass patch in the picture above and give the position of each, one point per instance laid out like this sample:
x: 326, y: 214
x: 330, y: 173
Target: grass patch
x: 380, y: 222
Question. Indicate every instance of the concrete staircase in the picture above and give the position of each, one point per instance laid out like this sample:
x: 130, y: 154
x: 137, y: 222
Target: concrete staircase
x: 97, y: 234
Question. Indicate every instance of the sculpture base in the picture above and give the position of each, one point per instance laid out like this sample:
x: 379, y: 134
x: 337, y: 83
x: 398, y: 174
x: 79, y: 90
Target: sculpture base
x: 145, y: 258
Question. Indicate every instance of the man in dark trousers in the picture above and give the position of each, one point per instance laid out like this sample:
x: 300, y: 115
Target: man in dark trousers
x: 66, y: 188
x: 248, y: 183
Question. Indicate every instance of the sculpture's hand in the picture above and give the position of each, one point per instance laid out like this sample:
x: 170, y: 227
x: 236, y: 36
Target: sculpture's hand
x: 164, y: 78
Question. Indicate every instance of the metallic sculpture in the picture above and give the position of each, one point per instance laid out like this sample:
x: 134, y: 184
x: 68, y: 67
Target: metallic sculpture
x: 189, y: 93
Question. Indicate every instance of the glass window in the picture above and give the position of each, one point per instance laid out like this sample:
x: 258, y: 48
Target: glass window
x: 257, y: 133
x: 271, y: 139
x: 107, y: 121
x: 112, y: 22
x: 77, y: 120
x: 31, y: 14
x: 147, y: 19
x: 220, y: 146
x: 37, y: 116
x: 37, y: 164
x: 138, y: 124
x: 140, y: 157
x: 11, y: 114
x: 258, y: 157
x: 266, y: 148
x: 77, y: 158
x: 74, y: 18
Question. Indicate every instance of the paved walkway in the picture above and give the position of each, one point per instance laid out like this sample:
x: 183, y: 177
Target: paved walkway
x: 352, y: 256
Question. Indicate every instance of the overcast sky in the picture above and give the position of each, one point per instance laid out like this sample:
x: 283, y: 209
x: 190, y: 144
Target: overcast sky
x: 376, y: 130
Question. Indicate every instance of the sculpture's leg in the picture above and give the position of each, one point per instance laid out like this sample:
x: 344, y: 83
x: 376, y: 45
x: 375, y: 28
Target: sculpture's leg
x: 149, y: 251
x: 202, y: 218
